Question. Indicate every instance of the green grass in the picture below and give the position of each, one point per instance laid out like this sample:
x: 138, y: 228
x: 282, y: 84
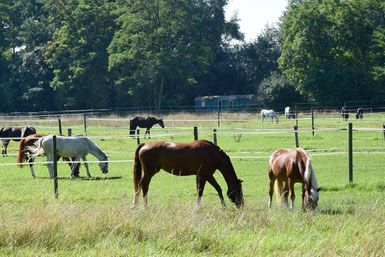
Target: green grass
x: 94, y: 217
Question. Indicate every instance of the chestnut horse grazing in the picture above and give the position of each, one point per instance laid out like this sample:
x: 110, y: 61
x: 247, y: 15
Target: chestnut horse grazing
x: 143, y: 122
x: 23, y: 151
x: 16, y: 134
x: 200, y: 158
x: 292, y: 166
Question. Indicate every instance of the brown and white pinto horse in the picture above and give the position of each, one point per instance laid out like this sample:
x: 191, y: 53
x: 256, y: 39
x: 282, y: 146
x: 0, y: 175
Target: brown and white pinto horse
x: 200, y: 158
x: 23, y: 150
x: 292, y: 166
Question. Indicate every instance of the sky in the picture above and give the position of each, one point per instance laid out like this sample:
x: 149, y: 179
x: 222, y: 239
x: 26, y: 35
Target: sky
x: 255, y: 14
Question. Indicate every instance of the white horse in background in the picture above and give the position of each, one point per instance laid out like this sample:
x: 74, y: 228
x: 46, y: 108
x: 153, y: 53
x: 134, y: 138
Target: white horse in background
x: 289, y: 114
x: 77, y: 147
x: 269, y: 113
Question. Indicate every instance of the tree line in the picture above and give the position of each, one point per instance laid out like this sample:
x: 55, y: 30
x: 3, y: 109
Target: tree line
x: 80, y: 54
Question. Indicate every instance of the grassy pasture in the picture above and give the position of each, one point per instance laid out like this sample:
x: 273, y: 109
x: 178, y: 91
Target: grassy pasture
x: 94, y: 217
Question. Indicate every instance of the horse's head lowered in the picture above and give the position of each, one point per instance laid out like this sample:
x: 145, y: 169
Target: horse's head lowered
x: 311, y: 198
x: 160, y: 121
x: 235, y: 194
x: 103, y: 164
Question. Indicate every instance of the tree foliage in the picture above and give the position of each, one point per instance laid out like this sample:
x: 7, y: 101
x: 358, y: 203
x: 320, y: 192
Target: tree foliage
x: 328, y: 48
x: 57, y: 54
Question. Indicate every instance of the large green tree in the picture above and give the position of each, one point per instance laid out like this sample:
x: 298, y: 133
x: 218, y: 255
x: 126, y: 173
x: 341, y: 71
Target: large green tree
x: 162, y: 48
x: 328, y: 48
x: 77, y: 53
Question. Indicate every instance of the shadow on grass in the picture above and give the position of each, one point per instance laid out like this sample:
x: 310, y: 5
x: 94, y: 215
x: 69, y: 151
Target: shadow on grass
x: 84, y: 178
x: 379, y: 187
x: 337, y: 211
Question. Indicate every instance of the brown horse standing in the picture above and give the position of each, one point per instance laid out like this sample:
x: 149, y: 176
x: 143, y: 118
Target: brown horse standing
x: 15, y: 133
x: 23, y: 150
x: 143, y: 122
x: 292, y: 166
x: 200, y: 158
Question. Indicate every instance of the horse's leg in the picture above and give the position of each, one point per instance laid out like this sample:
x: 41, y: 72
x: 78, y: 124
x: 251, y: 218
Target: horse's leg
x: 50, y: 165
x: 73, y: 166
x: 285, y: 194
x: 4, y: 144
x: 132, y: 131
x: 86, y: 165
x: 292, y: 194
x: 303, y: 196
x: 31, y: 160
x: 271, y: 191
x: 201, y: 181
x: 215, y: 184
x: 71, y: 163
x: 145, y: 183
x: 148, y: 130
x: 77, y: 169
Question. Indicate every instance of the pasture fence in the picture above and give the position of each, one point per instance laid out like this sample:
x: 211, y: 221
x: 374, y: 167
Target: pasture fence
x: 233, y: 131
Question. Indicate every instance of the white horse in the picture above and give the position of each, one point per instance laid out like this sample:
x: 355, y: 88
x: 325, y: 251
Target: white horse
x: 287, y: 112
x: 269, y: 113
x: 77, y: 147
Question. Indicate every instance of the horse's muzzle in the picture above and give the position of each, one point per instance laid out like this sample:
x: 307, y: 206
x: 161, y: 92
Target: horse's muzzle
x: 105, y: 170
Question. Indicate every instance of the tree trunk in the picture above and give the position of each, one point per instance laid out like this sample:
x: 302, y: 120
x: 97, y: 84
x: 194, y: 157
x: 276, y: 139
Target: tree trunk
x: 160, y: 92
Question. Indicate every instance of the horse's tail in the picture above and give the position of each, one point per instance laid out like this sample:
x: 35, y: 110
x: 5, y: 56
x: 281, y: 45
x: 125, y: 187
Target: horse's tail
x: 21, y: 154
x: 37, y: 148
x: 280, y: 195
x: 137, y: 172
x: 132, y: 128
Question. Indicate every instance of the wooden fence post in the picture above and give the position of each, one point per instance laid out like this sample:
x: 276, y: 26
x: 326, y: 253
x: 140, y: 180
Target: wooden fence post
x: 138, y: 136
x: 55, y: 180
x: 215, y: 136
x: 60, y: 131
x: 312, y: 121
x: 195, y: 133
x: 69, y: 132
x: 383, y: 137
x: 85, y: 122
x: 219, y: 118
x: 350, y: 152
x: 296, y: 136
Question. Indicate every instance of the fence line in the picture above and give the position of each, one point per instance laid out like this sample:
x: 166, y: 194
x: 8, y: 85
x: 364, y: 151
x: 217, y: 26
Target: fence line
x: 130, y: 161
x: 219, y: 131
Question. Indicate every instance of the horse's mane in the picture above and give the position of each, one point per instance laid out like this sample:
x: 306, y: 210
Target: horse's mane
x: 309, y: 174
x: 221, y: 152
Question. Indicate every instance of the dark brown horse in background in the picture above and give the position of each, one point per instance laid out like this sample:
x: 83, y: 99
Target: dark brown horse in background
x: 23, y: 151
x: 200, y: 158
x: 15, y: 133
x: 360, y: 113
x: 143, y: 122
x: 292, y: 166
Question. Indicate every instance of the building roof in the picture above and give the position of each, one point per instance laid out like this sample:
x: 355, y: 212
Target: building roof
x: 224, y: 97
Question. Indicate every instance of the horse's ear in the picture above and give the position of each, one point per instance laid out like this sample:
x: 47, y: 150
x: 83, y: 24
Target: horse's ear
x: 240, y: 180
x: 319, y: 189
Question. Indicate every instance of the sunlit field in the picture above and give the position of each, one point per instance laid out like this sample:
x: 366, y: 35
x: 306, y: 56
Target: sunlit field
x: 94, y: 217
